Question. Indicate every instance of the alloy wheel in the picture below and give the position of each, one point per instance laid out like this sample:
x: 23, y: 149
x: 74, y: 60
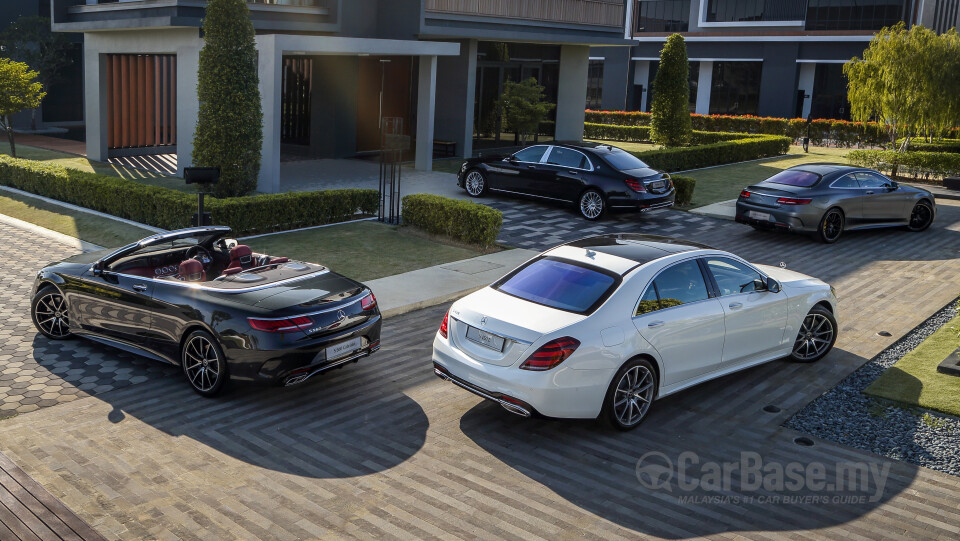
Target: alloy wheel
x: 814, y: 338
x: 832, y: 225
x: 201, y: 363
x: 475, y: 183
x: 633, y: 395
x: 921, y: 217
x: 591, y: 205
x: 52, y: 315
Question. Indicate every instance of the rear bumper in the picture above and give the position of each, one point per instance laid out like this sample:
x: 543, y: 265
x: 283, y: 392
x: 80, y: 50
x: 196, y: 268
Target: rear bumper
x: 642, y: 202
x: 781, y: 219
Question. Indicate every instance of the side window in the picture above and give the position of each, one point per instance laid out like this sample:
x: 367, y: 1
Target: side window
x: 734, y: 277
x: 565, y: 157
x: 846, y: 181
x: 649, y: 302
x: 871, y: 180
x: 531, y: 154
x: 681, y: 284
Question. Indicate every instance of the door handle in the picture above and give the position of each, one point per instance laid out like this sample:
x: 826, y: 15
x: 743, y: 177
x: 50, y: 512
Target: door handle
x: 736, y: 305
x: 654, y: 324
x: 531, y: 167
x: 574, y: 172
x: 870, y: 192
x: 139, y: 287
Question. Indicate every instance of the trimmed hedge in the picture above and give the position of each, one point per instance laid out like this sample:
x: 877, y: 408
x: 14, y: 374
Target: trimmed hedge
x: 684, y: 186
x: 641, y: 134
x: 738, y: 150
x: 460, y: 220
x: 171, y: 209
x: 917, y: 164
x: 942, y: 145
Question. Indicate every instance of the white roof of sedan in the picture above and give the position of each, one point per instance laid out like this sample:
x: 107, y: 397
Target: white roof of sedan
x: 622, y: 252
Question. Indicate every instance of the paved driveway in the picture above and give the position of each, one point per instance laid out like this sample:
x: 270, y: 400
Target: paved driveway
x: 385, y: 449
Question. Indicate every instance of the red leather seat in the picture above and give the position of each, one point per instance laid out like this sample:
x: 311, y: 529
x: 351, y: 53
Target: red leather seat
x: 241, y: 256
x: 191, y: 270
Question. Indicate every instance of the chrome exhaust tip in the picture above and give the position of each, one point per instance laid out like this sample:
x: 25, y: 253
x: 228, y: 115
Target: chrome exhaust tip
x: 515, y: 409
x: 296, y: 380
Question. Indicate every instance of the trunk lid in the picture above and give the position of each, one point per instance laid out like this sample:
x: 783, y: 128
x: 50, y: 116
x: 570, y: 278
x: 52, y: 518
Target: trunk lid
x: 766, y: 195
x: 517, y: 322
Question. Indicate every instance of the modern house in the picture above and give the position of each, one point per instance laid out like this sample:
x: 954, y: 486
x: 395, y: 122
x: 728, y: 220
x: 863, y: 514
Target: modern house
x: 440, y: 65
x: 779, y: 58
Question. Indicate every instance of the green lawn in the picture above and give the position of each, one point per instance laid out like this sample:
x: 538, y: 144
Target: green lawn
x: 914, y: 379
x: 89, y: 227
x: 362, y: 250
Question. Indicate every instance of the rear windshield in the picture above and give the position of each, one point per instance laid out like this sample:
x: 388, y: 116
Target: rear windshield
x: 795, y: 177
x: 622, y: 160
x: 560, y: 284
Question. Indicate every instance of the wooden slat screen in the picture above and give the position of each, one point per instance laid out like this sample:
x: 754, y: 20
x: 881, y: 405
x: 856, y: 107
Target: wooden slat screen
x: 141, y: 100
x: 295, y: 104
x: 592, y: 12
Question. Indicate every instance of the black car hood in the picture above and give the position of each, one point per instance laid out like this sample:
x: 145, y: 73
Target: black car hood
x: 308, y: 294
x: 87, y: 258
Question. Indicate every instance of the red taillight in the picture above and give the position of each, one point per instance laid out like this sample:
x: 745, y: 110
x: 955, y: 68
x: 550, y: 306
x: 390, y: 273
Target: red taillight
x: 551, y: 354
x: 368, y: 302
x: 281, y: 325
x: 443, y: 325
x: 793, y: 201
x: 635, y: 185
x: 745, y: 194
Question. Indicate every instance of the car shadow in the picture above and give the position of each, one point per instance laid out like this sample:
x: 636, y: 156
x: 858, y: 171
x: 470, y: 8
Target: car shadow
x: 346, y: 423
x: 667, y: 478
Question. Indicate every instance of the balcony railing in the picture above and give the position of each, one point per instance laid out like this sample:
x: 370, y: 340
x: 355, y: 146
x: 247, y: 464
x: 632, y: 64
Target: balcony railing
x: 590, y: 12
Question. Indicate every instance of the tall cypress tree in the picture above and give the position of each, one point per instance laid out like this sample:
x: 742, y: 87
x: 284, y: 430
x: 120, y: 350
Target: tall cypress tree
x: 229, y: 131
x: 670, y: 125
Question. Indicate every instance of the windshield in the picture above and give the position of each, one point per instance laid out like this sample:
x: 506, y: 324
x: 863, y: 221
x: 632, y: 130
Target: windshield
x: 560, y: 284
x: 795, y: 177
x: 622, y: 160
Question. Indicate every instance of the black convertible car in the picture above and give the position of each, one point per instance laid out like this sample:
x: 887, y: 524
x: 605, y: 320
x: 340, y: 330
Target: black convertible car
x: 197, y: 299
x: 595, y: 177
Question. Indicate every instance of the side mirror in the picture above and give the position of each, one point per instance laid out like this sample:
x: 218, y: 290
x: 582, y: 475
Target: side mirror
x: 97, y: 268
x: 892, y: 187
x: 511, y: 159
x: 773, y: 286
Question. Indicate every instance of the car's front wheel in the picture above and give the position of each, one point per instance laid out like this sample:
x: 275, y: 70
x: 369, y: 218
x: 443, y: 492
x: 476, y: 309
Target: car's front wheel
x: 921, y: 217
x: 204, y: 364
x: 50, y: 313
x: 816, y: 337
x: 630, y: 395
x: 592, y: 205
x: 475, y: 183
x: 831, y: 225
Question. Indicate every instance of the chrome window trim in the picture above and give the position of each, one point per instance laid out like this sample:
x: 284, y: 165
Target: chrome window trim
x: 546, y: 158
x: 650, y: 282
x: 857, y: 187
x: 545, y: 152
x: 197, y: 285
x: 763, y: 276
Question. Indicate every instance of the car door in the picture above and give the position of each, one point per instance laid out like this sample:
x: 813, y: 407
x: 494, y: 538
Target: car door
x: 519, y: 172
x: 679, y: 318
x: 883, y: 201
x: 754, y: 317
x: 564, y: 175
x: 116, y: 306
x: 850, y: 195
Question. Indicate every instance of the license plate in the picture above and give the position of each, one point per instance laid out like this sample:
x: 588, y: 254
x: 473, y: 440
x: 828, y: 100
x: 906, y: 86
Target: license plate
x: 485, y: 338
x: 344, y: 348
x: 758, y: 215
x: 656, y: 185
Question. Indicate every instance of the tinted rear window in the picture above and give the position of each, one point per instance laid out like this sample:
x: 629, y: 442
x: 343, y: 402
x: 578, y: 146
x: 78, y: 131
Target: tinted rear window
x: 624, y: 161
x: 795, y: 177
x: 560, y: 284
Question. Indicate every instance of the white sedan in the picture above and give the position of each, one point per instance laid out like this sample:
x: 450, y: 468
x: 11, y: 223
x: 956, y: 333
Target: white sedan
x: 603, y: 326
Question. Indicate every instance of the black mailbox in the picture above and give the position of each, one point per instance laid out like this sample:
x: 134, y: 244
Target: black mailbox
x: 201, y: 175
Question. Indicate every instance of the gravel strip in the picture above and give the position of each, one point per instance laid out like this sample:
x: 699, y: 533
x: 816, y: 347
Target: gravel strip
x: 847, y: 416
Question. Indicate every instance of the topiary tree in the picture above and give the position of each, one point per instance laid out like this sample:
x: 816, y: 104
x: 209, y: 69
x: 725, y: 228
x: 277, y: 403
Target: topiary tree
x: 229, y: 131
x: 524, y: 107
x: 19, y: 90
x: 670, y: 124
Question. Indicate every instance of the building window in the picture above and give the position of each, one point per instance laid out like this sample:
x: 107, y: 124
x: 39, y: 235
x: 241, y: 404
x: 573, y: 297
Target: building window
x: 755, y: 10
x: 693, y: 80
x: 595, y: 85
x: 736, y: 88
x: 830, y: 93
x: 855, y: 14
x: 663, y: 15
x: 945, y: 15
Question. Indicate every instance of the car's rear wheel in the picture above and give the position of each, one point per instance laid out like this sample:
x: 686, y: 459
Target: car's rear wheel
x: 630, y: 395
x: 831, y: 226
x: 204, y: 364
x: 50, y: 313
x: 475, y: 183
x: 921, y: 217
x: 592, y: 205
x: 816, y: 337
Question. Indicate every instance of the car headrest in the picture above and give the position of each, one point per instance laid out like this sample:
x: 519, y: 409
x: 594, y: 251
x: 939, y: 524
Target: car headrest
x: 241, y: 253
x: 191, y: 270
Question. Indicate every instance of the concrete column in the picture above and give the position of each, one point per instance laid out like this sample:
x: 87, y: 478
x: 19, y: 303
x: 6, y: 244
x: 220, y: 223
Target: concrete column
x: 95, y: 102
x: 456, y: 92
x: 616, y: 71
x: 188, y: 106
x: 426, y: 112
x: 269, y: 70
x: 704, y: 85
x: 808, y: 72
x: 572, y: 93
x: 641, y: 76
